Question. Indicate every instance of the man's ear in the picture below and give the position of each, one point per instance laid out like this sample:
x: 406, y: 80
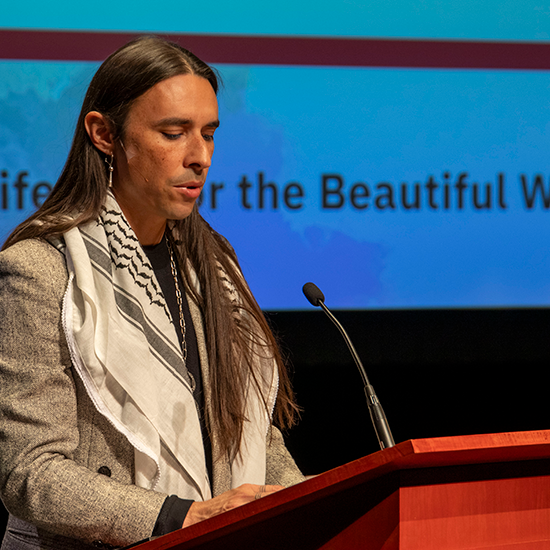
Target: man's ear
x: 99, y: 130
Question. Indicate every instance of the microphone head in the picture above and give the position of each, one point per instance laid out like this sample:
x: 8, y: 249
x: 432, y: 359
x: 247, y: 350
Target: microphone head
x: 313, y: 294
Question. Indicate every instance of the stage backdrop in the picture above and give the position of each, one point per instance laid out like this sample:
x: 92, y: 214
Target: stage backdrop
x: 396, y: 155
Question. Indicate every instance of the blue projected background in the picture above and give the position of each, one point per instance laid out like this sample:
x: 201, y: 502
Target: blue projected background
x: 469, y: 19
x: 388, y: 187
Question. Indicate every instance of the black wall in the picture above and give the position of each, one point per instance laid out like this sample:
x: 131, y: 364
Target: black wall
x: 436, y: 372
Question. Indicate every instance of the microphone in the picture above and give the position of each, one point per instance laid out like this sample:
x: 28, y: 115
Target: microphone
x: 379, y: 421
x: 313, y: 294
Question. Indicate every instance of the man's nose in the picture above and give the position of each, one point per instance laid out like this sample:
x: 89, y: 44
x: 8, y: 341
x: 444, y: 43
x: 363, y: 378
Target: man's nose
x: 199, y: 152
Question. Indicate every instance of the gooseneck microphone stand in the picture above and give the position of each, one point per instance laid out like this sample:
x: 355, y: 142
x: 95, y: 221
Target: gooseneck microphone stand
x: 379, y: 421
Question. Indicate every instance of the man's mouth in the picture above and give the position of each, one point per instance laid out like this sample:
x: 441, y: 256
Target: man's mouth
x: 190, y: 189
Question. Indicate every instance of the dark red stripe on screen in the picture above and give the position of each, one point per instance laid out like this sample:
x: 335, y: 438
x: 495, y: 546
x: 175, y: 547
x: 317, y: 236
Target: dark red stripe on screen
x: 284, y: 50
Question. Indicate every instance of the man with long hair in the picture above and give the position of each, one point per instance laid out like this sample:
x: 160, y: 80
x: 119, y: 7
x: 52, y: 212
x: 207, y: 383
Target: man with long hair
x: 139, y: 380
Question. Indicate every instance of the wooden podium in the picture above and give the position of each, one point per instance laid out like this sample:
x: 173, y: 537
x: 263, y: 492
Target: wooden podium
x: 479, y: 491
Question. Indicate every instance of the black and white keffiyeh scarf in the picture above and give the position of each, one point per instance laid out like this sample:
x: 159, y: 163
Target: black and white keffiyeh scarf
x: 124, y: 347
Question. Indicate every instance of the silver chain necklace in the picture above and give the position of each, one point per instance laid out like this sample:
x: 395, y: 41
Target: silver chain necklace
x: 179, y: 299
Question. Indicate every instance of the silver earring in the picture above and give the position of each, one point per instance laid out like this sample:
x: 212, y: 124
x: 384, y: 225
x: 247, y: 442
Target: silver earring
x: 110, y: 163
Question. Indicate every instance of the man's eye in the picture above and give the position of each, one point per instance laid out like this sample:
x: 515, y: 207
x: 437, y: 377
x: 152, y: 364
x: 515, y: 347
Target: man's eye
x: 208, y: 137
x: 171, y: 136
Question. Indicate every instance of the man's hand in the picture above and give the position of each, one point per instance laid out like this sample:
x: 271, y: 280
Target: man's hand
x: 200, y: 511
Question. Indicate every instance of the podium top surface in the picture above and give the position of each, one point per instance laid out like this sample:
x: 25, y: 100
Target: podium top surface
x: 466, y: 449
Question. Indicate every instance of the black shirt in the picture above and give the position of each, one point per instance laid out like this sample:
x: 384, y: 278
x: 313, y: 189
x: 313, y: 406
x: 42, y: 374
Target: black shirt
x: 175, y: 509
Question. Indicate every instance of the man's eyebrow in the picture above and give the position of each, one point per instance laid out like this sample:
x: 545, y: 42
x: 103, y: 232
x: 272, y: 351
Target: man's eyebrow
x: 176, y: 121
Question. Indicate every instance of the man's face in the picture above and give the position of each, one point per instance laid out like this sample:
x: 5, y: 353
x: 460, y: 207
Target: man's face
x: 164, y: 154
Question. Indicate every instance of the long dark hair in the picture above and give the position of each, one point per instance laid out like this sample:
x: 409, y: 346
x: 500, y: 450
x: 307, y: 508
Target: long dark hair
x: 237, y: 334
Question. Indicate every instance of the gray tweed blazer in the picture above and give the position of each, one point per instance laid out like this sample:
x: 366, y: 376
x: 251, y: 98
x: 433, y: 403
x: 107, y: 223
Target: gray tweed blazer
x: 63, y: 468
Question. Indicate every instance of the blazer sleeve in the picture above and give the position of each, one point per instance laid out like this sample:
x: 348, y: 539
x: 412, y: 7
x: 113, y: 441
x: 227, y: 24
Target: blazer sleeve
x: 40, y: 480
x: 280, y: 466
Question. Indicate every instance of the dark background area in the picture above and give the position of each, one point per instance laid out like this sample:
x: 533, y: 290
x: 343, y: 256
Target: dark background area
x: 436, y: 373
